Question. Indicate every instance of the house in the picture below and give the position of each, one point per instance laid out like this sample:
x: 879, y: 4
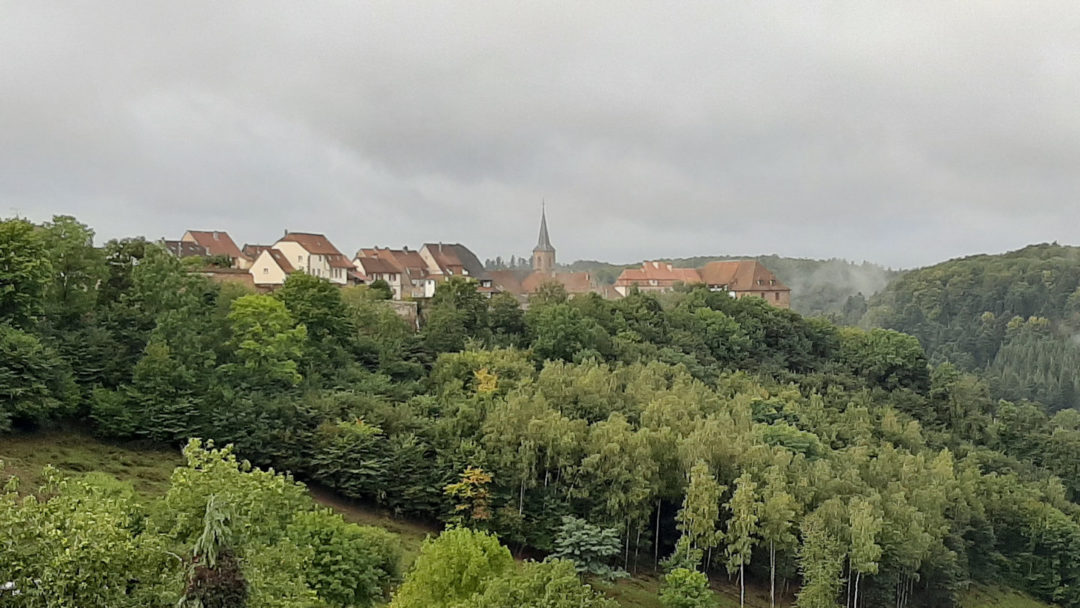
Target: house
x: 448, y: 260
x: 415, y: 280
x: 746, y: 278
x: 375, y: 268
x: 270, y: 268
x: 218, y: 243
x: 655, y: 277
x: 738, y: 278
x: 315, y: 255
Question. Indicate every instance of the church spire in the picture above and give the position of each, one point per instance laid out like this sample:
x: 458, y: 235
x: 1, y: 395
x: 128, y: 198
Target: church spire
x: 544, y: 243
x: 543, y: 259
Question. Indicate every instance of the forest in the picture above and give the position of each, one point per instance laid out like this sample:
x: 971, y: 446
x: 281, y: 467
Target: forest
x: 700, y: 435
x: 1013, y: 319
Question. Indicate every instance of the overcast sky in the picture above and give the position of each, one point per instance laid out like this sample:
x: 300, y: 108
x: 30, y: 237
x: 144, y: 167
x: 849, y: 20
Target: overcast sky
x: 901, y: 133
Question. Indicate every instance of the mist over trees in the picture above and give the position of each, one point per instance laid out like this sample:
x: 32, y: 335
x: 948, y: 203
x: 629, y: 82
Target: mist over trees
x: 837, y: 289
x: 695, y: 433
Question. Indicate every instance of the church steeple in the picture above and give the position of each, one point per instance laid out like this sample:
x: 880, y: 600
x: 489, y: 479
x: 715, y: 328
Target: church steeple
x: 543, y: 259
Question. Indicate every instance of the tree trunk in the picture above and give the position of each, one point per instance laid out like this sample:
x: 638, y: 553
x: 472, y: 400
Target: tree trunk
x: 856, y: 601
x: 742, y: 586
x: 637, y: 547
x: 521, y: 497
x: 847, y: 600
x: 656, y: 545
x: 626, y: 559
x: 772, y: 575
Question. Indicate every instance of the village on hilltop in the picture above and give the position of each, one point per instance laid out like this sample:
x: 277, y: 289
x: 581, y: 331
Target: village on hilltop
x: 413, y: 274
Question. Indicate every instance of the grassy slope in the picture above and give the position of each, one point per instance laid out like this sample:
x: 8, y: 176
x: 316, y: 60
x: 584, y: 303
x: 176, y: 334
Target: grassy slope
x: 148, y: 470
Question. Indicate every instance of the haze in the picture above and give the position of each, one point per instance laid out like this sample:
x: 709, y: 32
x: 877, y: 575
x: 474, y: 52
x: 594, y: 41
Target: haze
x: 900, y: 134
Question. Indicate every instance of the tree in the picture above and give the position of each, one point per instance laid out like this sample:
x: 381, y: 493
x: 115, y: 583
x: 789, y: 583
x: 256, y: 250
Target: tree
x: 351, y: 565
x: 547, y: 584
x: 865, y: 552
x: 778, y: 511
x: 590, y: 548
x: 451, y: 568
x: 215, y: 579
x: 473, y: 496
x: 78, y: 268
x: 506, y: 319
x: 697, y: 519
x: 24, y: 272
x: 35, y: 384
x: 742, y: 527
x: 381, y: 290
x: 821, y: 561
x: 266, y: 343
x: 685, y: 588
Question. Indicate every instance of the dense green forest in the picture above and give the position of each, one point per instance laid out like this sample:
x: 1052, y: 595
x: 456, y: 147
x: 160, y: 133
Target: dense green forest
x: 698, y: 434
x: 1013, y: 319
x: 834, y: 288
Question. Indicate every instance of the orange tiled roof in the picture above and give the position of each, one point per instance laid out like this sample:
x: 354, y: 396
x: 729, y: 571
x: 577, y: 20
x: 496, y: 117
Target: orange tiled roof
x: 572, y: 282
x: 662, y: 272
x: 318, y: 244
x: 507, y: 280
x: 741, y: 275
x: 379, y: 265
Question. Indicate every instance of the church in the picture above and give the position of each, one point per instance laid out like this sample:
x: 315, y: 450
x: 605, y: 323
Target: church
x: 544, y: 270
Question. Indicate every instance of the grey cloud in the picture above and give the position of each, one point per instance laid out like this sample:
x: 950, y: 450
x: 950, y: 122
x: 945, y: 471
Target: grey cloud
x: 901, y: 134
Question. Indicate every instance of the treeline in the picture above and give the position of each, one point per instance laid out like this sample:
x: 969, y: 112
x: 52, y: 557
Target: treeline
x: 1013, y: 319
x: 700, y: 433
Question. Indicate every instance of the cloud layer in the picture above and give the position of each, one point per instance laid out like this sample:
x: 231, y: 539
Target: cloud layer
x: 901, y: 134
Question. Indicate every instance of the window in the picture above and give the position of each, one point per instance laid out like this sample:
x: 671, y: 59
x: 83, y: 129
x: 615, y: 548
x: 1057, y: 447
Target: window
x: 299, y: 259
x: 266, y: 270
x: 776, y: 296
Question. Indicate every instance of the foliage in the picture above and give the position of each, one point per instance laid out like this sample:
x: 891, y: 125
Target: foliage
x: 451, y: 568
x: 851, y: 459
x: 685, y: 588
x: 25, y: 272
x: 590, y: 548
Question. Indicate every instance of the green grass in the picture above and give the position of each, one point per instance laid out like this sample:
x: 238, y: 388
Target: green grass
x: 148, y: 470
x: 982, y: 596
x: 26, y: 455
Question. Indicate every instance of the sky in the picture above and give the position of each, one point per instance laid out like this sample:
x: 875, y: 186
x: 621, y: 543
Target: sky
x: 901, y: 133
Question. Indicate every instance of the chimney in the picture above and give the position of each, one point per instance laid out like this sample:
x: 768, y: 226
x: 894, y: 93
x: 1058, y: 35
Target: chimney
x: 286, y: 232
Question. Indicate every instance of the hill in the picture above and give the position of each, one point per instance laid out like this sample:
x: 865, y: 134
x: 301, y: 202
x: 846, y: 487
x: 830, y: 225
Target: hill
x: 1012, y: 318
x: 835, y: 288
x: 713, y: 435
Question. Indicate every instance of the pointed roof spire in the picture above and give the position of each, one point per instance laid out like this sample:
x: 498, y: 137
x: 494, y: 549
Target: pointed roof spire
x: 544, y: 242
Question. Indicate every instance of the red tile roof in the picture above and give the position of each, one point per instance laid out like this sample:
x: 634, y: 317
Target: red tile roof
x: 318, y: 244
x: 663, y: 273
x: 508, y: 280
x: 572, y: 282
x: 217, y: 242
x: 409, y: 261
x: 741, y: 275
x: 378, y: 266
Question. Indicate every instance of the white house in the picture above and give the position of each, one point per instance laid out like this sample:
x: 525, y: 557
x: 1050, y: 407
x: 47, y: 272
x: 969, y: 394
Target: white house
x: 315, y: 255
